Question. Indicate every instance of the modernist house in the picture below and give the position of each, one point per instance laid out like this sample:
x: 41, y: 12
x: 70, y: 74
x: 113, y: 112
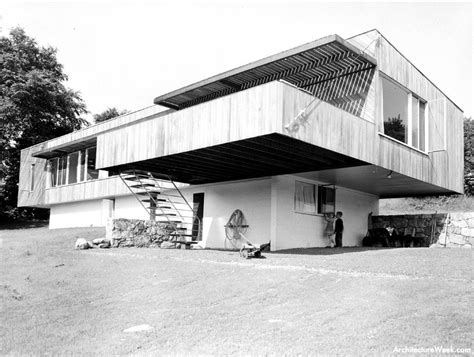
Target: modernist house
x: 332, y: 125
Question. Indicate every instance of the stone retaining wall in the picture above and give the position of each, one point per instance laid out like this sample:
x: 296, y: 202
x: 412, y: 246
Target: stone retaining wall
x: 136, y: 233
x: 469, y: 157
x: 451, y: 229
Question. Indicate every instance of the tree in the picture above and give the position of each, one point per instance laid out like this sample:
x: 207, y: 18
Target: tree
x: 35, y: 106
x: 109, y: 114
x: 395, y: 128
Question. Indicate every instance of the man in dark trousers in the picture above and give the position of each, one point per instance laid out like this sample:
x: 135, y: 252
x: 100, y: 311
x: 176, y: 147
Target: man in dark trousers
x: 338, y: 229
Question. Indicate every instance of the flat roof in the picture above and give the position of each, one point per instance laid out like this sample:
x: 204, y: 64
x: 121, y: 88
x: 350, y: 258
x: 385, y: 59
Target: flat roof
x: 303, y: 66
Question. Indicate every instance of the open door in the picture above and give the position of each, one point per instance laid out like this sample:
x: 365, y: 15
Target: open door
x: 198, y: 209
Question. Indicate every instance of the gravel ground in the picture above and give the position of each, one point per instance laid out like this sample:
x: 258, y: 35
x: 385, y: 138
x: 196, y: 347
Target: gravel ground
x: 345, y: 301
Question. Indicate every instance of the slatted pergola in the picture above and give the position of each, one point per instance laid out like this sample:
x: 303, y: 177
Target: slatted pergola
x: 330, y: 68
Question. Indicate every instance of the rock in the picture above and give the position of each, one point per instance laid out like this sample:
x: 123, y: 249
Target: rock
x: 456, y: 239
x: 167, y: 245
x: 467, y: 245
x: 98, y: 241
x: 197, y: 246
x: 105, y: 244
x: 81, y: 243
x: 460, y: 224
x: 467, y: 232
x: 442, y: 238
x: 138, y: 328
x: 470, y: 222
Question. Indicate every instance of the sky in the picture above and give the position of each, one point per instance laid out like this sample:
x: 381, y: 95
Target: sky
x: 125, y: 53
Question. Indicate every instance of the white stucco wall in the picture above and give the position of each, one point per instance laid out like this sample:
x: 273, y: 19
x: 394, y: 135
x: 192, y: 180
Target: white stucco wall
x: 291, y: 229
x: 79, y: 214
x: 129, y: 207
x: 221, y: 200
x: 268, y: 205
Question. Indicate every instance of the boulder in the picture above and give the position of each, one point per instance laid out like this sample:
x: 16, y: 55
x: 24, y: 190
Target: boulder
x: 167, y: 245
x: 98, y: 241
x: 81, y: 243
x: 457, y: 239
x: 196, y: 246
x: 105, y: 244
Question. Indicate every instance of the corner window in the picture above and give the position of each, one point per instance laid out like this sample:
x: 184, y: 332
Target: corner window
x: 395, y: 110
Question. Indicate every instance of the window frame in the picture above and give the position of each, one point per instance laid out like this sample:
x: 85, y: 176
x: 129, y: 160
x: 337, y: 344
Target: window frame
x: 410, y: 97
x: 315, y: 198
x: 81, y: 170
x: 32, y: 177
x: 320, y: 198
x: 316, y: 192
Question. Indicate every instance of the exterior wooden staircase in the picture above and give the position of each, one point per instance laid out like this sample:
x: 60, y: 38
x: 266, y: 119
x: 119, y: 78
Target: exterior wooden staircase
x: 159, y: 195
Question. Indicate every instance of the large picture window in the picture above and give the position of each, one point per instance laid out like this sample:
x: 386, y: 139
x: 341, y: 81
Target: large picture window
x: 403, y: 115
x: 395, y: 110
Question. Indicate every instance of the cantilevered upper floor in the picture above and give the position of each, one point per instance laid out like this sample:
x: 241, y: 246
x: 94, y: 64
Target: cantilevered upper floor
x: 354, y: 112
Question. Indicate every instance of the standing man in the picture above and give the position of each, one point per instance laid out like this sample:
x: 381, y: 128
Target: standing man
x: 338, y: 229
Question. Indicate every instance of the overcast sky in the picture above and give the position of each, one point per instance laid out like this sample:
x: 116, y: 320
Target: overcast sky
x: 124, y: 53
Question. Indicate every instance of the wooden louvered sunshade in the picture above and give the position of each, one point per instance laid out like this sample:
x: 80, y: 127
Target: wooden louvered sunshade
x: 305, y: 66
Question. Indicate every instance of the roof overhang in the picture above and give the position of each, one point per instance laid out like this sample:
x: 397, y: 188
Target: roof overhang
x: 315, y: 62
x: 267, y: 155
x: 66, y: 148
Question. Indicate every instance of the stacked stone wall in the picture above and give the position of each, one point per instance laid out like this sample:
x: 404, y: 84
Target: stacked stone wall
x: 469, y: 157
x: 137, y: 233
x: 450, y: 229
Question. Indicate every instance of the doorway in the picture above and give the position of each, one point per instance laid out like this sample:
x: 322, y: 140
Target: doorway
x: 198, y: 212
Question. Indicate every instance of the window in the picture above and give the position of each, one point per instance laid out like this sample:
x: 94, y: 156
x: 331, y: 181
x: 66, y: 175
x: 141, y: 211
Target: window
x: 53, y: 170
x: 32, y: 177
x: 305, y: 197
x: 403, y: 121
x: 92, y: 173
x: 326, y: 199
x: 422, y: 126
x: 73, y: 160
x: 82, y: 165
x: 62, y: 170
x: 395, y: 110
x: 418, y: 123
x: 75, y: 167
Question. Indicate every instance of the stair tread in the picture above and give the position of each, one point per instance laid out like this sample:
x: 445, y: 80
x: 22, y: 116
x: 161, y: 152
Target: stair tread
x: 143, y: 185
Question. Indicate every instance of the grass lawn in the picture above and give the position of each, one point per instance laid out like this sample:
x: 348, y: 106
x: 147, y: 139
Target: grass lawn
x: 318, y: 301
